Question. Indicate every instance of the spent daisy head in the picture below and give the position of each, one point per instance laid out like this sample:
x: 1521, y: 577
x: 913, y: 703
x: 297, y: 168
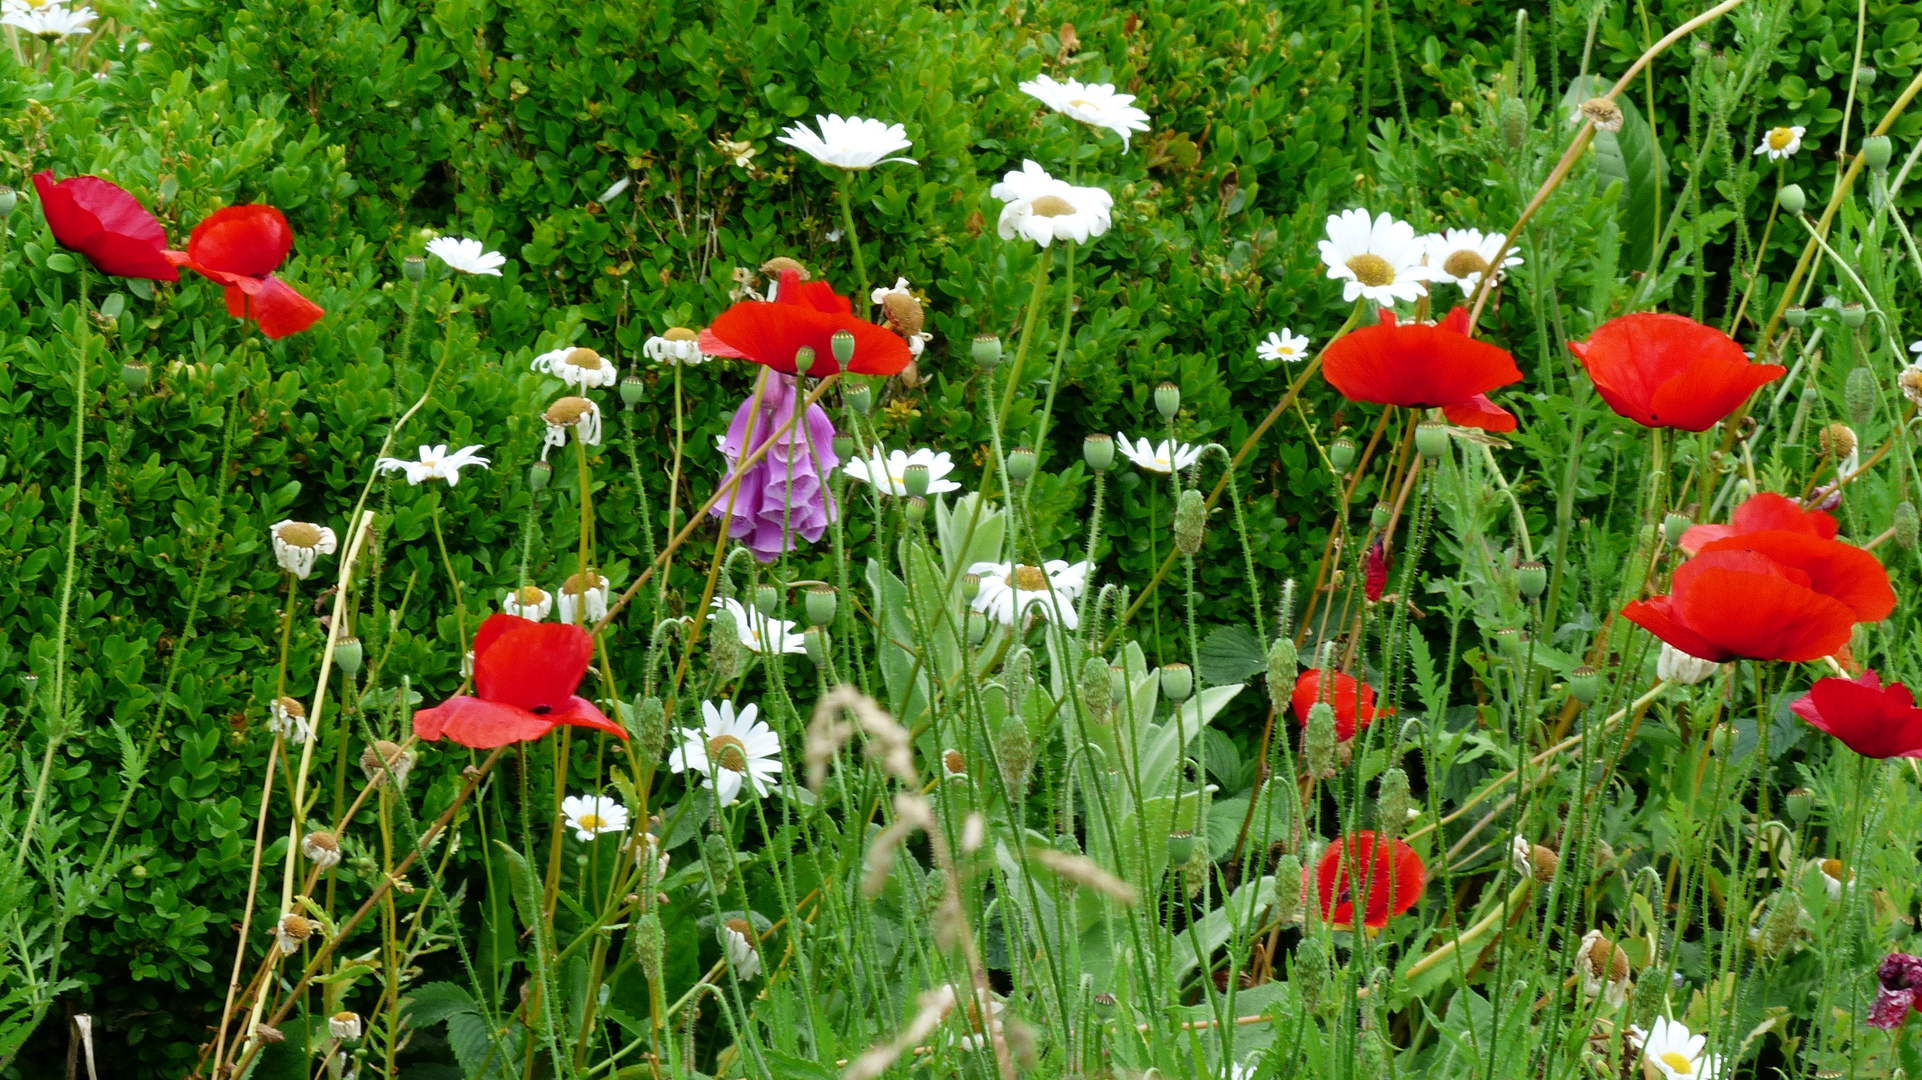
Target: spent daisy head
x: 1781, y: 143
x: 1161, y: 457
x: 674, y: 345
x: 466, y: 256
x: 849, y: 142
x: 1910, y: 380
x: 730, y: 750
x: 287, y: 718
x: 435, y: 464
x: 576, y: 414
x: 528, y: 602
x: 591, y: 815
x: 1286, y: 346
x: 1044, y: 209
x: 298, y: 543
x: 577, y: 365
x: 1378, y: 258
x: 888, y: 469
x: 737, y: 939
x: 902, y: 313
x: 1094, y: 104
x: 584, y: 599
x: 1464, y: 256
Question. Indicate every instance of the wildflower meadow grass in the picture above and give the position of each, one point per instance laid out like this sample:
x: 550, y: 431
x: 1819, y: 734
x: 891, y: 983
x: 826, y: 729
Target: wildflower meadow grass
x: 1229, y: 540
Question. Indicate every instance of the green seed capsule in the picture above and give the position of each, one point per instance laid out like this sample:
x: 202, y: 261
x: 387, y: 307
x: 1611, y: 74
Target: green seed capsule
x: 841, y: 343
x: 803, y: 360
x: 914, y: 480
x: 348, y: 655
x: 1021, y: 463
x: 915, y: 509
x: 1673, y: 526
x: 1532, y: 577
x: 414, y: 267
x: 1585, y: 684
x: 843, y: 447
x: 1876, y: 151
x: 1800, y: 802
x: 1791, y: 199
x: 1177, y: 681
x: 987, y: 351
x: 135, y: 375
x: 1181, y: 847
x: 633, y: 389
x: 1168, y: 400
x: 1795, y: 315
x: 1098, y: 452
x: 767, y: 600
x: 8, y: 199
x: 815, y: 640
x: 538, y: 475
x: 822, y: 601
x: 1906, y: 524
x: 1854, y: 315
x: 858, y: 397
x: 1431, y: 438
x: 1341, y: 454
x: 1380, y: 515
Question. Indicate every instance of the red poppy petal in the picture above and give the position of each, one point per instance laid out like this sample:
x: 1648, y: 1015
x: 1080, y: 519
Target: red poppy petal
x: 1868, y: 720
x: 250, y: 240
x: 811, y: 294
x: 580, y: 712
x: 1763, y: 617
x: 1657, y: 615
x: 1411, y: 877
x: 1479, y: 412
x: 1843, y: 571
x: 534, y: 666
x: 1663, y: 370
x: 1768, y: 510
x: 1697, y: 537
x: 877, y: 350
x: 106, y: 224
x: 770, y: 335
x: 480, y: 724
x: 280, y: 310
x: 1707, y: 391
x: 1415, y: 366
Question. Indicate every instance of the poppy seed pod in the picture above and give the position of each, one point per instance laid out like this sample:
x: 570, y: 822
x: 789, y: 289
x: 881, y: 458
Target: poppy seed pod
x: 1379, y: 516
x: 915, y: 509
x: 1795, y: 315
x: 767, y: 599
x: 134, y: 375
x: 1673, y: 526
x: 815, y: 641
x: 1584, y: 684
x: 348, y: 655
x: 1800, y: 801
x: 1791, y: 199
x: 977, y: 628
x: 1431, y: 438
x: 1854, y: 315
x: 1393, y: 802
x: 970, y: 587
x: 1281, y: 670
x: 1341, y: 454
x: 1098, y: 451
x: 1508, y: 642
x: 822, y: 601
x: 1167, y: 400
x: 841, y: 342
x: 1532, y: 577
x: 804, y: 359
x: 1876, y: 151
x: 987, y: 351
x: 1905, y: 524
x: 633, y: 389
x: 858, y: 397
x: 1177, y: 681
x: 843, y: 446
x: 538, y: 475
x: 1191, y: 521
x: 414, y: 267
x: 1021, y: 463
x: 1859, y: 392
x: 914, y: 479
x: 1181, y: 847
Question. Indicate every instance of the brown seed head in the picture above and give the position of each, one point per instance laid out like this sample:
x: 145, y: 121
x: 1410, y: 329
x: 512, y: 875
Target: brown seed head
x: 1051, y: 206
x: 299, y: 534
x: 1603, y: 113
x: 291, y: 707
x: 1836, y: 440
x: 679, y: 333
x: 1607, y: 961
x: 774, y: 266
x: 567, y: 411
x: 583, y: 357
x: 955, y: 763
x: 1542, y: 863
x: 904, y: 313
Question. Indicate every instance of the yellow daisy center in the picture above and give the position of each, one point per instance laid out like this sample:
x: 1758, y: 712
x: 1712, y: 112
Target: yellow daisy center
x: 592, y: 822
x: 727, y: 752
x: 1779, y: 138
x: 679, y: 333
x: 568, y: 411
x: 1051, y: 206
x: 1678, y: 1063
x: 584, y: 358
x: 531, y: 594
x: 1372, y: 270
x: 1030, y: 579
x: 1464, y: 262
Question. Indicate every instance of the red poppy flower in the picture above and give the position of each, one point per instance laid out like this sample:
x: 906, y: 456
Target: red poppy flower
x: 1665, y: 371
x: 1376, y: 578
x: 525, y: 673
x: 107, y: 225
x: 1422, y: 366
x: 803, y: 314
x: 1766, y: 511
x: 240, y: 247
x: 1393, y: 875
x: 1770, y: 595
x: 1343, y: 699
x: 1870, y: 719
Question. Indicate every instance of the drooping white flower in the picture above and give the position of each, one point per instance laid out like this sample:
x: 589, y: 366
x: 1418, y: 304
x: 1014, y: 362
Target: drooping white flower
x: 887, y: 470
x: 1094, y: 104
x: 287, y: 718
x: 1674, y: 1054
x: 1781, y: 143
x: 1044, y: 209
x: 528, y: 602
x: 1009, y: 591
x: 730, y: 750
x: 1836, y: 876
x: 592, y: 605
x: 758, y: 632
x: 291, y: 931
x: 1286, y: 346
x: 1910, y: 378
x: 849, y: 142
x: 297, y: 544
x: 576, y: 413
x: 1603, y: 967
x: 435, y: 464
x: 1463, y: 256
x: 741, y: 954
x: 466, y: 256
x: 1379, y: 258
x: 1679, y: 667
x: 675, y: 345
x: 344, y: 1026
x: 321, y: 848
x: 591, y: 815
x: 902, y: 313
x: 1162, y: 457
x: 577, y: 366
x: 50, y: 22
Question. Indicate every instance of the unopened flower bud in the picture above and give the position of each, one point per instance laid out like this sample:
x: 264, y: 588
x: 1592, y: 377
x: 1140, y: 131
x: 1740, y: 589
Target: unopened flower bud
x: 134, y: 375
x: 1722, y: 740
x: 1514, y: 118
x: 1393, y: 802
x: 1318, y: 743
x: 650, y: 728
x: 633, y: 389
x: 815, y: 641
x: 1097, y: 690
x: 1795, y: 315
x: 1876, y: 151
x: 1177, y: 681
x: 1021, y: 462
x: 1014, y: 752
x: 1341, y: 454
x: 1098, y: 451
x: 415, y: 267
x: 1181, y: 847
x: 1191, y: 521
x: 1791, y: 199
x: 1168, y: 400
x: 1282, y: 659
x: 1673, y: 526
x: 1288, y: 890
x: 1906, y: 524
x: 821, y: 603
x: 915, y: 509
x: 1585, y: 684
x: 649, y: 943
x: 987, y: 351
x: 1308, y: 975
x: 767, y: 600
x: 843, y: 446
x: 1800, y: 801
x: 977, y: 628
x: 538, y: 475
x: 1532, y: 577
x: 1431, y: 438
x: 858, y: 396
x: 841, y: 343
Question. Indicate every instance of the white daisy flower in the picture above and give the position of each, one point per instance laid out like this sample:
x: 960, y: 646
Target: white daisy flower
x: 578, y: 413
x: 1244, y: 1071
x: 1604, y: 969
x: 1094, y: 104
x: 954, y: 765
x: 1671, y: 1053
x: 1378, y: 259
x: 971, y: 1017
x: 344, y: 1026
x: 297, y: 544
x: 737, y: 941
x: 1162, y: 457
x: 577, y: 366
x: 591, y: 815
x: 760, y: 633
x: 902, y: 313
x: 1044, y: 209
x: 1463, y: 256
x: 1679, y: 667
x: 887, y: 470
x: 287, y: 718
x: 730, y: 750
x: 435, y: 464
x: 850, y: 142
x: 466, y: 256
x: 50, y: 22
x: 1286, y: 346
x: 571, y: 600
x: 1010, y: 590
x: 1834, y: 873
x: 675, y: 345
x: 1781, y: 143
x: 529, y: 602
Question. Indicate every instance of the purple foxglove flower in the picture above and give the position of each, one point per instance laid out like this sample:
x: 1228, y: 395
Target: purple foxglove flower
x: 785, y: 494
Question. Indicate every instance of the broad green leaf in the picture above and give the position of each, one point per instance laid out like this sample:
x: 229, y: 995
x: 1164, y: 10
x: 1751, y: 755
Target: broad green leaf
x: 1632, y: 157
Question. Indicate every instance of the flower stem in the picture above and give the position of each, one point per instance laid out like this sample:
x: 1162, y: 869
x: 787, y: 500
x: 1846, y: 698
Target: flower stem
x: 854, y: 241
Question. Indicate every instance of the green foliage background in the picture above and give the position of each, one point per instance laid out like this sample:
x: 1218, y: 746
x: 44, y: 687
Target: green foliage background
x: 369, y: 123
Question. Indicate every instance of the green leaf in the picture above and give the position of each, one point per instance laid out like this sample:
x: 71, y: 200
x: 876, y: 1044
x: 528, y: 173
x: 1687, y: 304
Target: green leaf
x: 61, y: 263
x: 1632, y: 157
x: 1230, y: 655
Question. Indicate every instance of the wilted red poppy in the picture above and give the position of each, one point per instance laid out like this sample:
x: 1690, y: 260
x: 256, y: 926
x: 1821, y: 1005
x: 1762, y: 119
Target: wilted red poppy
x: 1770, y: 595
x: 1423, y: 366
x: 525, y: 673
x: 1394, y: 876
x: 1665, y: 371
x: 803, y: 314
x: 1351, y: 699
x: 107, y: 225
x: 240, y: 247
x: 1764, y: 511
x: 1873, y: 720
x: 1376, y: 578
